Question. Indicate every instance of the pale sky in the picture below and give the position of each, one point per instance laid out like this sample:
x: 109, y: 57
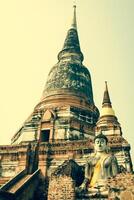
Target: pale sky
x: 32, y: 32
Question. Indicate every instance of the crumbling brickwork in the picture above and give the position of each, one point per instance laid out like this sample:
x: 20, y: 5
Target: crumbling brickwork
x: 61, y: 188
x: 122, y: 187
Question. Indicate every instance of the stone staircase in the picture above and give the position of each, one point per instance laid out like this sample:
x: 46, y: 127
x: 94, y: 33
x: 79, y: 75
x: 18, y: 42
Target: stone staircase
x: 18, y: 184
x: 21, y: 185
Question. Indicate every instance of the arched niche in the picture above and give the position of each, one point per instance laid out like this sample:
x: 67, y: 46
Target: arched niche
x: 48, y: 115
x: 47, y: 126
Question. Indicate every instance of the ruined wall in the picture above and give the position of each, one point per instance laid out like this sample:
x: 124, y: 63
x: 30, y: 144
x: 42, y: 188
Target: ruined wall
x: 121, y: 187
x: 12, y: 159
x: 61, y: 188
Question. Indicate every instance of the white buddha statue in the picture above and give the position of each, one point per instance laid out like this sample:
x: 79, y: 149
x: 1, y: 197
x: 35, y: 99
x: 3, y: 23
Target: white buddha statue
x: 100, y: 166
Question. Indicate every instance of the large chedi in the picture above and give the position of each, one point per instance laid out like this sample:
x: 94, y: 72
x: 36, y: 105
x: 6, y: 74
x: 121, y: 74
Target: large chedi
x: 66, y: 110
x: 65, y: 149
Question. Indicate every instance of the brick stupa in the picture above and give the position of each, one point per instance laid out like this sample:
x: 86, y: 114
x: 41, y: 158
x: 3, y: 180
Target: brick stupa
x: 47, y: 155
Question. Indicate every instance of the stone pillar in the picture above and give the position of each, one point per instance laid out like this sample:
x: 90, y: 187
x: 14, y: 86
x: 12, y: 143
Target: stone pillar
x: 51, y: 137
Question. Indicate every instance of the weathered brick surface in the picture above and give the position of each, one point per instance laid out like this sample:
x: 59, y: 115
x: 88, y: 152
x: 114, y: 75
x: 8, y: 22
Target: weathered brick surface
x: 122, y: 186
x: 61, y: 188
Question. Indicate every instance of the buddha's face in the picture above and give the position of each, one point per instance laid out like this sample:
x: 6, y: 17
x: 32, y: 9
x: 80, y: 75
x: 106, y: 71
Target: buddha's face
x: 100, y: 144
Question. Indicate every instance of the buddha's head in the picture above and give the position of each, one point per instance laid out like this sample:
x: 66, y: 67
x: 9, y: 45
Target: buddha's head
x: 100, y: 142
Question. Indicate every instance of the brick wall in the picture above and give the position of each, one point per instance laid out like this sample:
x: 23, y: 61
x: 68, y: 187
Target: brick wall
x: 122, y: 187
x: 61, y: 188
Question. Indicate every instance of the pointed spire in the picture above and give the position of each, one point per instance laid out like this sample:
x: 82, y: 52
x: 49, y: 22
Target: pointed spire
x: 71, y: 44
x: 106, y: 97
x: 74, y: 22
x: 107, y: 109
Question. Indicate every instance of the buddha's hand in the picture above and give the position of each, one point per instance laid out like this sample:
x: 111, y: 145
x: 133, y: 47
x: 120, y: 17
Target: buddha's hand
x: 83, y: 186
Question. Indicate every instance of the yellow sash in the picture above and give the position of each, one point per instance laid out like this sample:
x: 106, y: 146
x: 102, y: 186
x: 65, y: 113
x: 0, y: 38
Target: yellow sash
x: 97, y: 171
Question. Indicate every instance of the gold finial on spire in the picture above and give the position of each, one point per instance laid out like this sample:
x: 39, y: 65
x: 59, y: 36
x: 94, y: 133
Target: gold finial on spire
x: 74, y: 22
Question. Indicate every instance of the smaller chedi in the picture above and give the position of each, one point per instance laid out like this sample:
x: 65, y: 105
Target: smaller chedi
x: 100, y: 166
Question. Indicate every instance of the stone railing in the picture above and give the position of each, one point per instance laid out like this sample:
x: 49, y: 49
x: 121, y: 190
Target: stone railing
x: 27, y: 183
x: 67, y: 144
x: 13, y: 148
x: 63, y: 147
